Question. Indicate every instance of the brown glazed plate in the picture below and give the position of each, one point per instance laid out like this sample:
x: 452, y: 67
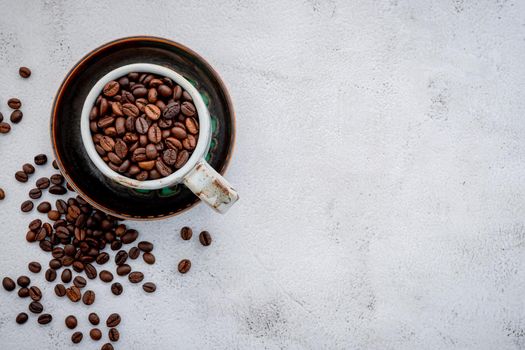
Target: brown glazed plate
x: 74, y: 162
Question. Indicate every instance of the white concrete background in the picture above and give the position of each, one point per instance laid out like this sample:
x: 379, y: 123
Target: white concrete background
x: 379, y: 160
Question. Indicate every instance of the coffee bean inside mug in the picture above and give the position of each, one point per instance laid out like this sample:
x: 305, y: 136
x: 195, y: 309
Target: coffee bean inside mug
x: 144, y: 126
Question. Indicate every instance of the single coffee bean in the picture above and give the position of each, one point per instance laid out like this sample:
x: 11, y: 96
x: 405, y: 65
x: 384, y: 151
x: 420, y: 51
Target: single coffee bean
x: 22, y: 318
x: 89, y: 297
x: 44, y: 207
x: 14, y: 103
x: 106, y: 276
x: 116, y: 288
x: 205, y: 238
x: 93, y: 319
x: 2, y: 194
x: 186, y: 233
x: 55, y: 165
x: 188, y: 109
x: 149, y: 258
x: 171, y: 111
x: 57, y: 190
x: 4, y: 128
x: 35, y: 307
x: 113, y: 335
x: 129, y: 237
x: 177, y: 92
x: 45, y: 318
x: 123, y: 270
x: 24, y: 72
x: 57, y: 179
x: 149, y: 287
x: 42, y: 183
x: 73, y: 293
x: 20, y: 176
x: 23, y: 292
x: 111, y: 88
x: 34, y: 266
x: 107, y: 346
x: 8, y: 284
x: 79, y: 282
x: 40, y: 159
x: 113, y: 320
x: 136, y: 277
x: 182, y: 158
x: 71, y: 322
x: 116, y: 245
x: 184, y: 266
x: 23, y: 281
x: 16, y: 116
x: 102, y: 258
x: 35, y: 224
x: 60, y: 290
x: 46, y: 246
x: 66, y: 276
x: 35, y: 293
x: 51, y: 275
x: 28, y: 168
x: 121, y: 257
x: 91, y: 271
x: 77, y: 336
x: 152, y: 112
x: 35, y: 193
x: 95, y: 334
x: 26, y: 206
x: 169, y: 157
x: 55, y: 264
x: 134, y: 253
x: 145, y: 246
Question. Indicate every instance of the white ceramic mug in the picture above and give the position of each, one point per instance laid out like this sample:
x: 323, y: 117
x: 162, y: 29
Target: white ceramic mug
x: 196, y: 174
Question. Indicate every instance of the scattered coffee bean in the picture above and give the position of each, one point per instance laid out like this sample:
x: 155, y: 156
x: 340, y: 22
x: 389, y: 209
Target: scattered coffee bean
x: 2, y: 194
x: 22, y: 318
x: 134, y: 253
x: 35, y: 307
x: 51, y: 275
x: 23, y: 281
x: 102, y: 258
x: 95, y: 334
x: 80, y: 282
x: 116, y: 288
x: 34, y: 266
x: 77, y: 337
x: 35, y: 293
x: 44, y: 207
x: 113, y: 320
x: 40, y: 159
x: 91, y: 271
x: 129, y: 237
x: 28, y: 168
x: 26, y: 206
x: 149, y: 287
x: 60, y: 290
x: 57, y: 190
x: 16, y: 116
x: 205, y: 238
x: 113, y: 335
x: 45, y: 318
x: 107, y: 346
x: 145, y: 246
x: 93, y: 319
x: 23, y: 292
x: 136, y: 277
x: 4, y: 128
x: 66, y: 276
x: 14, y: 103
x: 55, y: 264
x: 106, y: 276
x: 20, y: 176
x: 42, y: 183
x: 55, y: 165
x: 24, y: 72
x: 121, y: 257
x: 57, y: 179
x: 149, y: 258
x: 186, y: 233
x: 8, y: 284
x: 184, y: 266
x: 123, y: 270
x: 71, y: 322
x: 73, y: 293
x: 89, y: 297
x: 35, y: 193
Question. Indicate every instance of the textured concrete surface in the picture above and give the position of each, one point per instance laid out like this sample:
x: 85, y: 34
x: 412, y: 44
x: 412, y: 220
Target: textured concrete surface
x: 379, y: 160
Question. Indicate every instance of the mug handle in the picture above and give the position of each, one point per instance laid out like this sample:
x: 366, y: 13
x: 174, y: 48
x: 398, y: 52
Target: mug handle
x: 211, y: 187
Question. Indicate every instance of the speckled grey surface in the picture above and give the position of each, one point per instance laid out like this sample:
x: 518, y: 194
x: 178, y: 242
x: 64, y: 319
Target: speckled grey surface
x: 379, y: 160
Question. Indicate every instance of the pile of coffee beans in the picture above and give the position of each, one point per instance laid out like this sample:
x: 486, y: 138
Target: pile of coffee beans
x: 144, y: 126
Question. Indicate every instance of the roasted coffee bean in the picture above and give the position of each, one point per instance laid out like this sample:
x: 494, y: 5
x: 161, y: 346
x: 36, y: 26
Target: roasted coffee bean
x: 145, y: 246
x: 186, y: 233
x: 77, y: 336
x: 55, y: 264
x: 79, y: 281
x: 4, y: 128
x: 42, y: 183
x: 66, y: 276
x: 107, y: 346
x: 95, y: 334
x: 35, y: 293
x: 46, y: 246
x: 34, y: 266
x: 57, y: 179
x: 16, y: 116
x: 22, y: 318
x: 1, y: 117
x: 191, y: 126
x: 57, y: 190
x: 162, y: 168
x: 134, y: 253
x: 71, y: 322
x: 113, y: 335
x: 152, y: 112
x: 172, y: 110
x: 14, y: 103
x: 28, y: 168
x: 40, y: 159
x: 73, y: 293
x: 35, y: 224
x: 123, y: 270
x: 177, y: 92
x: 149, y: 287
x: 53, y: 215
x: 149, y: 258
x: 45, y: 319
x: 60, y: 290
x: 91, y: 271
x: 121, y: 257
x: 116, y: 245
x: 141, y: 125
x: 111, y: 88
x: 189, y: 143
x: 151, y: 151
x: 205, y: 238
x: 102, y: 258
x: 93, y: 319
x: 23, y: 292
x: 55, y: 165
x: 20, y: 176
x: 130, y: 236
x: 24, y: 72
x: 116, y: 288
x: 106, y: 276
x: 51, y: 275
x: 23, y: 281
x: 154, y: 134
x: 188, y: 109
x: 44, y: 207
x: 182, y: 158
x: 184, y: 266
x: 89, y: 297
x: 2, y: 194
x: 136, y: 277
x: 8, y: 284
x: 35, y: 193
x: 169, y: 157
x: 130, y: 110
x: 113, y: 320
x: 35, y: 307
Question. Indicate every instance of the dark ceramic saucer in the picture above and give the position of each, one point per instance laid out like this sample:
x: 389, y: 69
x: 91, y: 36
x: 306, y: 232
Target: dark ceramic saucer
x: 75, y: 164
